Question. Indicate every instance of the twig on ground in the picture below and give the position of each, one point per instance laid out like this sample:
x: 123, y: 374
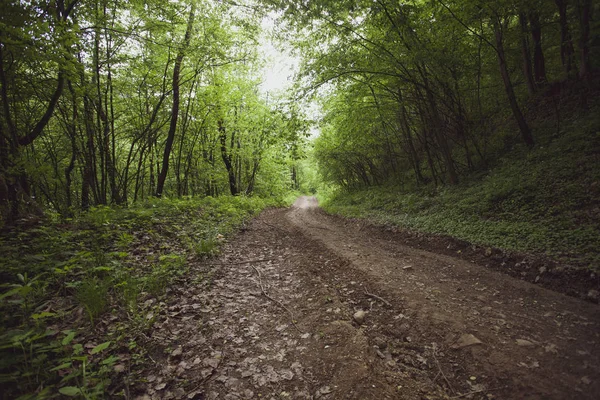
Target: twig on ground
x: 374, y: 296
x: 264, y: 292
x: 274, y: 227
x: 477, y: 391
x: 437, y: 362
x: 243, y: 262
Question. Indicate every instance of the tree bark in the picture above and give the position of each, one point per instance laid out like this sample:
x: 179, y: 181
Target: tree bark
x: 539, y: 64
x: 584, y: 11
x: 566, y: 43
x: 439, y: 135
x: 162, y: 176
x: 227, y: 160
x: 526, y: 54
x: 518, y: 115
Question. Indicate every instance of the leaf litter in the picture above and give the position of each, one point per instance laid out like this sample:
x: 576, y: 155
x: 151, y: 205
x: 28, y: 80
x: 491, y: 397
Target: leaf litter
x: 222, y: 338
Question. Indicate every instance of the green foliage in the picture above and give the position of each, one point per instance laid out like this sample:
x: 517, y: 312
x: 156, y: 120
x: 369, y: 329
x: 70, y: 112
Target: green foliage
x: 92, y: 294
x: 545, y: 201
x: 105, y: 262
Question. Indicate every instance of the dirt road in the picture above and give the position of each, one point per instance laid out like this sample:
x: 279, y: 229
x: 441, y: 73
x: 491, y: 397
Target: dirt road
x: 275, y: 321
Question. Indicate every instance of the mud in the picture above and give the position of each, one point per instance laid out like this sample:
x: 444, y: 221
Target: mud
x: 272, y: 318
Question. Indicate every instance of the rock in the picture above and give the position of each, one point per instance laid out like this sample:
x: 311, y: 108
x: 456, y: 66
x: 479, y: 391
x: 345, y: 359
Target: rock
x: 542, y: 270
x: 322, y: 391
x: 359, y: 317
x: 524, y: 343
x: 466, y: 340
x: 177, y: 352
x: 488, y: 252
x: 211, y: 362
x: 407, y: 267
x: 593, y: 295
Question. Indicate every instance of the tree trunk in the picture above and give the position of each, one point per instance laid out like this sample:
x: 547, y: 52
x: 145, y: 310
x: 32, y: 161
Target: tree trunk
x: 439, y: 135
x: 227, y: 158
x: 566, y: 43
x: 539, y: 64
x: 162, y: 176
x: 252, y: 178
x: 412, y: 152
x: 584, y: 11
x: 523, y: 127
x: 526, y: 54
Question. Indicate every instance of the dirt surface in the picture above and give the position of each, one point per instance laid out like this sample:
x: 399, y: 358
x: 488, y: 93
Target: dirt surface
x: 275, y: 318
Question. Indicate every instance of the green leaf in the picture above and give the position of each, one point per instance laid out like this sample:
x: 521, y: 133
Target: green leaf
x: 110, y: 360
x: 42, y: 315
x: 69, y: 338
x: 100, y: 347
x: 62, y: 366
x: 77, y: 348
x: 10, y: 292
x: 71, y: 391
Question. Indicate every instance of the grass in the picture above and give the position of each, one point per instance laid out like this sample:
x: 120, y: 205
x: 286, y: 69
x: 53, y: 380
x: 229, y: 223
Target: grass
x: 85, y: 281
x: 544, y: 201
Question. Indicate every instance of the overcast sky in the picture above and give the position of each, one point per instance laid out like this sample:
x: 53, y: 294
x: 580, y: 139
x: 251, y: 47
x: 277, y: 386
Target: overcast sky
x: 281, y: 66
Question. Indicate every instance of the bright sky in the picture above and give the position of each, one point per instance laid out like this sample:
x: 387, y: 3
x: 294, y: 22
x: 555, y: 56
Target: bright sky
x: 280, y: 68
x: 281, y: 65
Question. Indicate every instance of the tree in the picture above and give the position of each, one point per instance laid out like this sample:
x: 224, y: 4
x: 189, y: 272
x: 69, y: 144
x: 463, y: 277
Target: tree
x: 162, y: 176
x: 25, y: 29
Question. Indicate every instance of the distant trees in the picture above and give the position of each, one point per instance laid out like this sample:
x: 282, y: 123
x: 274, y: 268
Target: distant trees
x: 413, y: 86
x: 110, y: 102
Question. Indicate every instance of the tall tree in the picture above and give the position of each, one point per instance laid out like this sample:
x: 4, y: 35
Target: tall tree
x: 162, y: 176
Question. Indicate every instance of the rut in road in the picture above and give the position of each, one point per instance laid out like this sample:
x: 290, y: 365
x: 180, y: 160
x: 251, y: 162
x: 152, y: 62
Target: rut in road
x: 275, y: 320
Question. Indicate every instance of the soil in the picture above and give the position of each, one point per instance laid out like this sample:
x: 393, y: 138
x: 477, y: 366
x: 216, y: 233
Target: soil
x: 275, y: 317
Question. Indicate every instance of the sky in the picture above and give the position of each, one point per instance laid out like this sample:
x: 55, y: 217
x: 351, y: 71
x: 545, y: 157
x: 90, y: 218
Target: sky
x: 280, y: 68
x: 281, y: 65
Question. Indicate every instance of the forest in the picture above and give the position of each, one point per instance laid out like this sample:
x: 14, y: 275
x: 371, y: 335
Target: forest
x: 137, y: 139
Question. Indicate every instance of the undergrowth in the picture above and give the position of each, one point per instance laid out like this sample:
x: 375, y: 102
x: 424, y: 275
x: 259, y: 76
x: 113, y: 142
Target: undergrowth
x: 71, y: 301
x: 544, y: 201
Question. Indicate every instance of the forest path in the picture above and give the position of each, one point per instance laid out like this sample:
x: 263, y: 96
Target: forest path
x: 275, y: 321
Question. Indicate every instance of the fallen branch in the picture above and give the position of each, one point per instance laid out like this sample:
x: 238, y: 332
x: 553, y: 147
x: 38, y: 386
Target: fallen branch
x: 264, y: 292
x: 441, y: 371
x: 243, y: 262
x: 374, y: 296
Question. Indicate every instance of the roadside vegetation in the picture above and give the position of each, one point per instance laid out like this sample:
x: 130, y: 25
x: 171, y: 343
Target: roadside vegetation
x: 473, y: 120
x: 136, y: 136
x: 545, y: 201
x: 79, y: 297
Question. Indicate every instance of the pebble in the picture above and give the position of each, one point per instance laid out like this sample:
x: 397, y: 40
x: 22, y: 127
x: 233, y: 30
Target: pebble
x: 524, y: 343
x: 359, y: 317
